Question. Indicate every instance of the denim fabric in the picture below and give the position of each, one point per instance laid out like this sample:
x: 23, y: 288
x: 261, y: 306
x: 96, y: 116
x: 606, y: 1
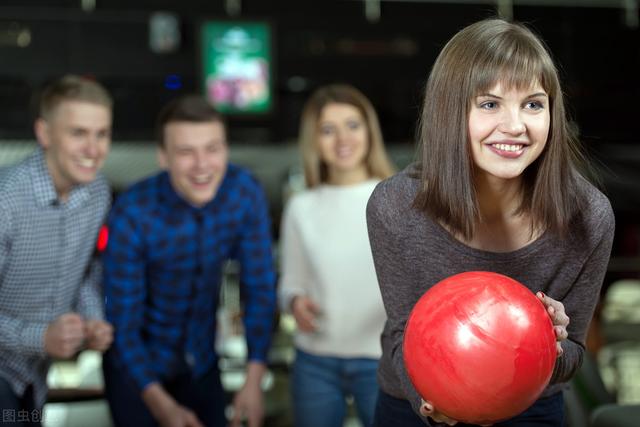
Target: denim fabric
x: 18, y: 411
x: 545, y: 412
x: 203, y: 395
x: 320, y: 385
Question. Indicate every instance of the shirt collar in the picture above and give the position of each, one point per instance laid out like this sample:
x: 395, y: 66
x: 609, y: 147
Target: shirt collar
x: 171, y: 199
x: 43, y: 188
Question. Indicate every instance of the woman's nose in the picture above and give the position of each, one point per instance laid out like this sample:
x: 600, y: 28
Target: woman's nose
x: 512, y: 123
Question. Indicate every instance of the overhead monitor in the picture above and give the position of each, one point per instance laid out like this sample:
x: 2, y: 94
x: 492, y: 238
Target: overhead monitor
x: 237, y: 66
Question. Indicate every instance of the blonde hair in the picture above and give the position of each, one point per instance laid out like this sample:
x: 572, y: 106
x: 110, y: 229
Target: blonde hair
x: 72, y: 88
x: 315, y: 170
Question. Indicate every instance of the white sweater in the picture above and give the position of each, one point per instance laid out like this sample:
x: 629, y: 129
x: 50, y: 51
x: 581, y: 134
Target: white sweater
x: 325, y: 254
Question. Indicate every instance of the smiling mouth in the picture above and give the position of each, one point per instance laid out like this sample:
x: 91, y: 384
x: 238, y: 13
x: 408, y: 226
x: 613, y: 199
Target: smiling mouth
x: 201, y: 179
x: 344, y: 151
x: 508, y: 147
x: 87, y: 163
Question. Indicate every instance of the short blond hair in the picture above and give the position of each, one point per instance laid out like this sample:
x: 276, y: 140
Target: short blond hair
x: 315, y: 170
x: 72, y: 88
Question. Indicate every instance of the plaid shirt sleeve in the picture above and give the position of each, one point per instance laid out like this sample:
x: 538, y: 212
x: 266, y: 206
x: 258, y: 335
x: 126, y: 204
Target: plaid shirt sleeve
x: 125, y: 292
x: 17, y: 335
x: 257, y: 277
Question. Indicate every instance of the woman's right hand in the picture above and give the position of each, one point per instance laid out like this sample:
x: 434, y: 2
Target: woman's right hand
x: 427, y: 410
x: 305, y: 311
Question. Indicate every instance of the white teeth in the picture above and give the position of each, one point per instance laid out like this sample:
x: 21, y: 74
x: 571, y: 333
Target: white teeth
x: 202, y: 179
x: 508, y: 147
x: 87, y: 163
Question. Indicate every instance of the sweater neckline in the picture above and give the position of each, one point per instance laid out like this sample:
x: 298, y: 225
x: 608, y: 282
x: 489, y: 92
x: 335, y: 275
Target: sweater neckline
x: 347, y: 187
x: 492, y: 255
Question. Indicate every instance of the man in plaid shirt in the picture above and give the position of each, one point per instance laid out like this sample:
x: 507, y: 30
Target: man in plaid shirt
x: 52, y: 206
x: 170, y: 236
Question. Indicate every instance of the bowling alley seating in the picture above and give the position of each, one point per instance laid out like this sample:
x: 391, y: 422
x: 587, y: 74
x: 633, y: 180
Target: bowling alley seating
x: 589, y: 402
x: 621, y: 317
x: 586, y: 392
x: 616, y: 416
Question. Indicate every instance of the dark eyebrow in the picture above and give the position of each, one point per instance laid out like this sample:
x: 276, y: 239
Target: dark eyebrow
x: 533, y: 95
x: 488, y: 95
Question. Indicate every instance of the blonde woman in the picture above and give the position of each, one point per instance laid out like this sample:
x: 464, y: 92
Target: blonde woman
x: 328, y: 280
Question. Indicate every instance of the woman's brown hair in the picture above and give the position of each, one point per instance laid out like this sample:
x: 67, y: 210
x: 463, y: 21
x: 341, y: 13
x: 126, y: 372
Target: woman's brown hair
x: 472, y: 62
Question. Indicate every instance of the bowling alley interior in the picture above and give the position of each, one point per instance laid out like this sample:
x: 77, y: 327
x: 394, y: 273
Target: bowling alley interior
x: 148, y: 52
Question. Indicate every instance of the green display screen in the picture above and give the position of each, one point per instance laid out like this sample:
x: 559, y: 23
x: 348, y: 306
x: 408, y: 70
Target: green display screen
x: 236, y: 66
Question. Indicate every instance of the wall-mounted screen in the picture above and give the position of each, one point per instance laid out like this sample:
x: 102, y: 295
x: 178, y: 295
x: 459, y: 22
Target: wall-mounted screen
x: 237, y: 66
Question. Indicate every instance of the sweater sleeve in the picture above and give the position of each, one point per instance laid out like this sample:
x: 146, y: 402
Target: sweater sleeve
x: 295, y: 272
x: 581, y: 300
x: 394, y: 267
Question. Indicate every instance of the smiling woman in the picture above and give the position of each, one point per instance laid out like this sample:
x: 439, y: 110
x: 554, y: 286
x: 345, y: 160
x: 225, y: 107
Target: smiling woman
x: 328, y: 281
x: 343, y: 143
x: 508, y: 131
x: 498, y: 187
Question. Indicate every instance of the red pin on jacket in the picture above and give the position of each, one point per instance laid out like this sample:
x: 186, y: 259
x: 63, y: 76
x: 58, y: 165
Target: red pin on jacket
x: 103, y: 239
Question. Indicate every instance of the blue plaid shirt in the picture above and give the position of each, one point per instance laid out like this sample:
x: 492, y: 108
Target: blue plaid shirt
x: 163, y: 268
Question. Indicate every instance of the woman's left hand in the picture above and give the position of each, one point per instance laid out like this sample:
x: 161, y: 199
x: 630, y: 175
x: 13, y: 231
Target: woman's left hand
x: 558, y: 317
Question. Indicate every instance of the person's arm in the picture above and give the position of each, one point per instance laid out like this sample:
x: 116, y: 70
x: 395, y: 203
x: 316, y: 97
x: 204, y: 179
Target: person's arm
x: 248, y: 403
x: 582, y: 298
x: 90, y: 305
x: 125, y: 292
x: 394, y: 265
x: 89, y: 298
x: 295, y: 272
x: 89, y: 301
x: 61, y: 338
x: 257, y: 278
x: 16, y: 335
x: 166, y: 410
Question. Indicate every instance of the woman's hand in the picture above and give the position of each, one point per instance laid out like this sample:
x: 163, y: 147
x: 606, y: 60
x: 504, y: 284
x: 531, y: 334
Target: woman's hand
x: 558, y: 317
x: 305, y: 311
x: 427, y: 410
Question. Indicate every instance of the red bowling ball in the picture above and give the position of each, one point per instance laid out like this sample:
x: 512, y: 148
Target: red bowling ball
x: 480, y: 346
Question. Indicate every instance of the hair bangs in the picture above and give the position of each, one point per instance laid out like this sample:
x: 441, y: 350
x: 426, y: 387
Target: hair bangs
x: 515, y: 63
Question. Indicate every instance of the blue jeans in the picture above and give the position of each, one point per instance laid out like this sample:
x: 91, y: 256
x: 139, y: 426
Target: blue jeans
x: 18, y: 411
x: 320, y: 385
x: 545, y: 412
x: 203, y: 395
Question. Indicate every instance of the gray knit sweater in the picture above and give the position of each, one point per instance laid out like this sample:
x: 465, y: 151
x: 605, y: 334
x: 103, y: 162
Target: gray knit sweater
x: 412, y: 253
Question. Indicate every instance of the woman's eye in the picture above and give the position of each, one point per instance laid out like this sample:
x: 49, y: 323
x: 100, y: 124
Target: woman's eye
x: 489, y: 105
x: 326, y: 130
x: 354, y: 125
x: 534, y: 105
